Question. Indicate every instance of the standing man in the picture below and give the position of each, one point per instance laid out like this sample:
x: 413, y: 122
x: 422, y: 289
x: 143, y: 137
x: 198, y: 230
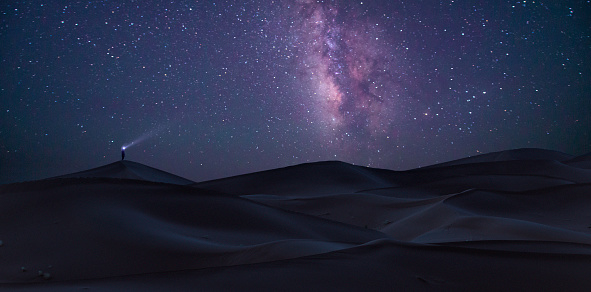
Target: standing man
x: 122, y: 152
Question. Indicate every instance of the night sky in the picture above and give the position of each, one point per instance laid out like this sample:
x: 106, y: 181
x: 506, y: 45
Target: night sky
x: 210, y: 89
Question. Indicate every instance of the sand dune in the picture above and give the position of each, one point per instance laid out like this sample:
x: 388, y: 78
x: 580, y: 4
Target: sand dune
x: 383, y: 265
x: 81, y: 227
x: 509, y: 155
x: 583, y: 161
x: 308, y: 179
x: 512, y: 220
x: 130, y: 170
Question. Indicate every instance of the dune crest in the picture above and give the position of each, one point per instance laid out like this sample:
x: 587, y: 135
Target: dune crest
x: 130, y: 170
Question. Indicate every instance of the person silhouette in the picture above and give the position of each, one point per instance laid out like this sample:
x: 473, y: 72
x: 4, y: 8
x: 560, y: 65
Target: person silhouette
x: 122, y: 152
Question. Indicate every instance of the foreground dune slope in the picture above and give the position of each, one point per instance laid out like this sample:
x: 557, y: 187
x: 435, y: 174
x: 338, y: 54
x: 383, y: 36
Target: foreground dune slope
x: 381, y: 265
x: 93, y: 228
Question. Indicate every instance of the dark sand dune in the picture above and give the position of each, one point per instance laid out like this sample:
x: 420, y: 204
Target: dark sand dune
x: 544, y: 169
x: 382, y: 265
x: 509, y: 155
x: 94, y: 228
x: 333, y: 177
x: 308, y: 179
x: 512, y: 220
x: 130, y: 170
x: 583, y: 161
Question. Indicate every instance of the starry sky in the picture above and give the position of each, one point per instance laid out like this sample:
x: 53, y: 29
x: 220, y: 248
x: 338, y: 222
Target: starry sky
x: 210, y: 89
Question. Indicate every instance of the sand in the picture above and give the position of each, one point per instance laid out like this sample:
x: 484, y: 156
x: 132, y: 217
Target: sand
x: 511, y: 220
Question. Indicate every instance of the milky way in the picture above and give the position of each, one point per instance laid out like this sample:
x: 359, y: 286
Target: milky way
x: 345, y: 59
x: 221, y: 88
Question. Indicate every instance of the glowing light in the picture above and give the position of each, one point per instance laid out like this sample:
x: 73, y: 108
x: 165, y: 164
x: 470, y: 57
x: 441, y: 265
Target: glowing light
x: 144, y: 137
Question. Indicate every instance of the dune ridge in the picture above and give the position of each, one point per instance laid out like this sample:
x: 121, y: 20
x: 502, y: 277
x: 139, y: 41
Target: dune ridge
x: 126, y: 169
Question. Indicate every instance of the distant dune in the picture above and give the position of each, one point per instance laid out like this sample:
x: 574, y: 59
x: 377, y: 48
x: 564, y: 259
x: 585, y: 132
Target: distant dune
x: 516, y: 220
